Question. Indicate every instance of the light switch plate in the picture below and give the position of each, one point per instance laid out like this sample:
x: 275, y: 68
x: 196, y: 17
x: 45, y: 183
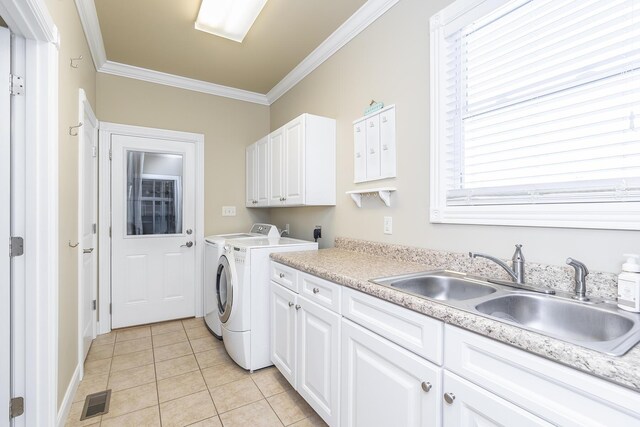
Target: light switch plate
x: 388, y: 225
x: 228, y: 211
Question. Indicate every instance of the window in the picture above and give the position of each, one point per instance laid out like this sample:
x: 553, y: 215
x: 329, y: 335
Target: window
x: 535, y: 113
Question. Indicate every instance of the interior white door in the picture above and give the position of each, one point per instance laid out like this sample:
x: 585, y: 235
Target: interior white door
x: 88, y: 225
x: 153, y: 220
x: 5, y: 230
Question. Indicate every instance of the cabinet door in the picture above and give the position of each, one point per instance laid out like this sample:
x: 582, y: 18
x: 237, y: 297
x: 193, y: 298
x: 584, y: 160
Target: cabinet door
x: 467, y: 405
x: 359, y: 152
x: 388, y: 143
x: 384, y: 384
x: 250, y: 176
x: 276, y: 168
x: 294, y: 162
x: 283, y: 331
x: 262, y: 172
x: 373, y: 147
x: 318, y: 359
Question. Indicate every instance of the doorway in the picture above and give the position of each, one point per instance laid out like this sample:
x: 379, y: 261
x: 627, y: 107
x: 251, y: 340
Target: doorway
x: 156, y: 220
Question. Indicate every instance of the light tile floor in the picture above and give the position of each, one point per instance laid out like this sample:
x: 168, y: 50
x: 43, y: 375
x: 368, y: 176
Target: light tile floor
x: 177, y: 374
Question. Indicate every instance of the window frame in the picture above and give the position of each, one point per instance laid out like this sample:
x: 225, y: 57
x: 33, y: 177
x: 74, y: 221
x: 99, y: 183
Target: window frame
x: 613, y: 216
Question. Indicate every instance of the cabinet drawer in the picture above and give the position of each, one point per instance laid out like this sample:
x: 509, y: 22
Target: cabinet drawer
x: 559, y: 394
x: 286, y: 276
x: 320, y: 291
x: 413, y: 331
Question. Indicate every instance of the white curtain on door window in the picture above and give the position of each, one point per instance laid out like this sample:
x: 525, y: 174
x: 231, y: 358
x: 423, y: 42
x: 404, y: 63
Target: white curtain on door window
x: 135, y: 165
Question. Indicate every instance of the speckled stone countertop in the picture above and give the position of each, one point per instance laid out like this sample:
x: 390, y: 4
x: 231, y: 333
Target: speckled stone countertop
x: 354, y: 268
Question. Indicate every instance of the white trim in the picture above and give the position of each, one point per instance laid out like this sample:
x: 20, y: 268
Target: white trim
x: 133, y: 72
x: 104, y: 208
x: 365, y: 16
x: 353, y: 26
x: 65, y: 406
x: 91, y: 26
x: 29, y: 19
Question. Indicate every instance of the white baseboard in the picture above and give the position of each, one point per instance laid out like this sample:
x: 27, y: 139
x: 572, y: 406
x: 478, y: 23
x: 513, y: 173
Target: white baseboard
x: 65, y: 407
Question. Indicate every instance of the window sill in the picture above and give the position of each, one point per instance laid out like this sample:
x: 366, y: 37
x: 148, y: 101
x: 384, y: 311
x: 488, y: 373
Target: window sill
x: 608, y: 216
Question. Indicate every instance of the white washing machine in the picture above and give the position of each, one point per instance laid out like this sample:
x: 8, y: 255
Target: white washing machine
x: 213, y: 249
x: 243, y: 297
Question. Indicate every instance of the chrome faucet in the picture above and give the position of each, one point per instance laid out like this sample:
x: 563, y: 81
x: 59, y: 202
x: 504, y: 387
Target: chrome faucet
x: 581, y: 273
x: 516, y: 272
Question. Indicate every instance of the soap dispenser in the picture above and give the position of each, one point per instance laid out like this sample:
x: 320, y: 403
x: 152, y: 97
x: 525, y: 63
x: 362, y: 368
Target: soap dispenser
x: 629, y: 284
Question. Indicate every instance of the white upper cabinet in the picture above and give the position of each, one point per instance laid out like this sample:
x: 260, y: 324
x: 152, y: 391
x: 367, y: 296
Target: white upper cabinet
x: 302, y: 162
x: 374, y: 150
x: 256, y: 174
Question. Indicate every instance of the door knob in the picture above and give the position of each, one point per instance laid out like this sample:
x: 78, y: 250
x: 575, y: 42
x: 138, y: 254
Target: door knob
x: 87, y: 250
x: 449, y: 398
x: 189, y: 231
x: 188, y: 244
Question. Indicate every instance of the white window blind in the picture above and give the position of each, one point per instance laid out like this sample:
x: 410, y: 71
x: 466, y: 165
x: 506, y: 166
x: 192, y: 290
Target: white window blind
x: 541, y: 103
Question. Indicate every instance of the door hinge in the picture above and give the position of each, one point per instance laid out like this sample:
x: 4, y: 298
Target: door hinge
x: 16, y: 407
x: 16, y: 85
x: 94, y: 228
x: 94, y: 151
x: 110, y: 153
x: 109, y: 231
x: 16, y: 246
x: 94, y: 305
x: 110, y: 308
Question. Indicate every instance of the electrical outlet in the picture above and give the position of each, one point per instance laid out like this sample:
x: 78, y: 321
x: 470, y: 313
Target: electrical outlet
x: 388, y: 225
x: 228, y: 211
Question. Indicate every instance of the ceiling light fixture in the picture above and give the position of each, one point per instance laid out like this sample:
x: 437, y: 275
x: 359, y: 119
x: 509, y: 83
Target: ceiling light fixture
x: 230, y: 19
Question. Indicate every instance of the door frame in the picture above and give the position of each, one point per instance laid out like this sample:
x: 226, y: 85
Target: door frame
x: 106, y: 130
x: 85, y: 107
x: 37, y: 132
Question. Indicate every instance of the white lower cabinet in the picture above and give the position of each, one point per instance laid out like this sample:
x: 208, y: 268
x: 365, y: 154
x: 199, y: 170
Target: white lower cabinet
x: 305, y: 347
x: 384, y: 384
x: 467, y: 405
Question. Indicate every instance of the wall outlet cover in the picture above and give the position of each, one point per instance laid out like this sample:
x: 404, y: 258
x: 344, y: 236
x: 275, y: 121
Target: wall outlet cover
x: 388, y: 225
x: 228, y: 211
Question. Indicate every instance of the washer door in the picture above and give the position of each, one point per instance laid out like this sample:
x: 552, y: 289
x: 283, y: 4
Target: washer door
x: 224, y: 289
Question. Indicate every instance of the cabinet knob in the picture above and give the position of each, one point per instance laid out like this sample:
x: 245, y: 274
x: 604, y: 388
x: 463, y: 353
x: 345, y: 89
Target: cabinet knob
x: 371, y: 124
x: 426, y: 386
x: 316, y: 290
x: 385, y: 148
x: 297, y: 306
x: 372, y: 151
x: 290, y: 304
x: 358, y: 129
x: 281, y: 275
x: 449, y: 398
x: 384, y: 119
x: 358, y: 155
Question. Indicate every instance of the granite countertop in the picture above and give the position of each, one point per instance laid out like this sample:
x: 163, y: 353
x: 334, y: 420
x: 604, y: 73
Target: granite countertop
x: 354, y: 269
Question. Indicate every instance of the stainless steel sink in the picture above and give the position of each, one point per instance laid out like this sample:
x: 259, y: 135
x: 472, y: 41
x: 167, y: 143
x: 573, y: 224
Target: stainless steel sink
x: 561, y: 318
x: 598, y: 326
x: 439, y: 285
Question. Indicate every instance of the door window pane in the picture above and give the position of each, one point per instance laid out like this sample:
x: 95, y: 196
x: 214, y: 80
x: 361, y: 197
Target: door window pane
x: 154, y: 193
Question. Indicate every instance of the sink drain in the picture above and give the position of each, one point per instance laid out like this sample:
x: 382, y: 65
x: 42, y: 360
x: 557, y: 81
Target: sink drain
x: 96, y: 404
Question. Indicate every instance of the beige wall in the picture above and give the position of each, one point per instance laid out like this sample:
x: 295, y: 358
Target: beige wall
x: 389, y: 62
x: 228, y: 127
x: 72, y: 44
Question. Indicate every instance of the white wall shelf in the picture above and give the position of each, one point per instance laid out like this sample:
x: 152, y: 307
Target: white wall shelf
x: 384, y: 194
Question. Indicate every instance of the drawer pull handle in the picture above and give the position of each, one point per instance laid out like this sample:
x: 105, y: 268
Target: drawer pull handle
x: 316, y: 290
x: 281, y: 275
x: 290, y: 304
x: 426, y: 386
x: 449, y: 398
x: 297, y: 306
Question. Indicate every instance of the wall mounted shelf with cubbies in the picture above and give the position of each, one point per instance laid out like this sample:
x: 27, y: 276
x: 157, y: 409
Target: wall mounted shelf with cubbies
x: 384, y: 194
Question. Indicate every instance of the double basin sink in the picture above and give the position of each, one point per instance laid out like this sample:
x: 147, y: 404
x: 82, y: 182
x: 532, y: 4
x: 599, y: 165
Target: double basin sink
x: 599, y: 326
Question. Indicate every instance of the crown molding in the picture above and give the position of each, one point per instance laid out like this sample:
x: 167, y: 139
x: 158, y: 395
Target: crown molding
x: 91, y: 26
x: 361, y: 19
x: 132, y: 72
x: 353, y: 26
